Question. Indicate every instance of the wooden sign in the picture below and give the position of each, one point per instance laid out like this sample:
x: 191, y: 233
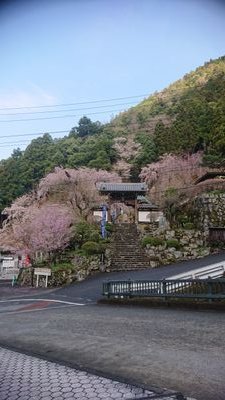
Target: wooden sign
x: 42, y: 272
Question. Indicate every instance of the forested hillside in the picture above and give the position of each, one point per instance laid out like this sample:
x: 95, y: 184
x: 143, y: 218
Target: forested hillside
x: 186, y: 117
x: 86, y: 145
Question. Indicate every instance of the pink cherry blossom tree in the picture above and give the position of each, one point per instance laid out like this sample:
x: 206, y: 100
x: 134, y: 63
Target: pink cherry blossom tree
x: 172, y: 172
x: 41, y: 221
x: 47, y: 229
x: 77, y: 187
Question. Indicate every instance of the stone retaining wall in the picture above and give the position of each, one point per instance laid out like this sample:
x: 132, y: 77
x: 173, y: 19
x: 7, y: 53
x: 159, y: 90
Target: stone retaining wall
x: 190, y: 244
x: 81, y: 267
x: 207, y: 211
x: 211, y: 209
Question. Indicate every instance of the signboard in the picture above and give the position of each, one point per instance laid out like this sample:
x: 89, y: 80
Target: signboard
x: 8, y: 267
x: 42, y: 272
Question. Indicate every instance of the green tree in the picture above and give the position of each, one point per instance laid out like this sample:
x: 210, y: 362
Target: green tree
x: 147, y: 155
x: 86, y: 128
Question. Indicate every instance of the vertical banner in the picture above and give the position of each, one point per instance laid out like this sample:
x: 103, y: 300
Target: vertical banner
x: 103, y: 221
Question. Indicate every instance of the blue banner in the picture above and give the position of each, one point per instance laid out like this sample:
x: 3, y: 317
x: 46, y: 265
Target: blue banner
x: 103, y: 221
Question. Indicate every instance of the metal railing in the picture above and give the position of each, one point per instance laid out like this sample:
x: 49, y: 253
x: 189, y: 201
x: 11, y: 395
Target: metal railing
x: 174, y: 288
x: 213, y: 271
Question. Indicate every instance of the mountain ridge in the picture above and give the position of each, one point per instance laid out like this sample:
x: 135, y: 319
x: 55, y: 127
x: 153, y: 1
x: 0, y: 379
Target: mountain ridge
x: 186, y: 117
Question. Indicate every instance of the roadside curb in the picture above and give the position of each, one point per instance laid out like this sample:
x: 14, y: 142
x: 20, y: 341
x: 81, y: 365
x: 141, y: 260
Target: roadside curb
x: 156, y: 303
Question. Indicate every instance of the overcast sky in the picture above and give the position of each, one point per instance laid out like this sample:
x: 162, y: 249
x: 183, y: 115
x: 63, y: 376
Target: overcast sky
x: 63, y: 51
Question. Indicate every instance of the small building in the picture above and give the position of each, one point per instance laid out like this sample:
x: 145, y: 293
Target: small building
x: 149, y: 213
x: 8, y: 266
x: 126, y: 202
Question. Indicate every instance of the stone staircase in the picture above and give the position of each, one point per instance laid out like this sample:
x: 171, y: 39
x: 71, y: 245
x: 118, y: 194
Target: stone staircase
x: 127, y: 253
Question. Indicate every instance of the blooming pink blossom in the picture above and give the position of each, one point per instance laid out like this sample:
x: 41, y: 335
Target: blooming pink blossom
x: 45, y: 229
x: 172, y: 171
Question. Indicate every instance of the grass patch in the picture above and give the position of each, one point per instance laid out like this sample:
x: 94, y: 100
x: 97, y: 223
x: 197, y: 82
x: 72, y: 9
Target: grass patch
x: 173, y: 243
x: 62, y: 266
x: 152, y: 241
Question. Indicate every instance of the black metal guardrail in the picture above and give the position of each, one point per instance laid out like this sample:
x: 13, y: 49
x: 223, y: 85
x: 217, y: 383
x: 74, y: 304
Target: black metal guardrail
x: 174, y: 288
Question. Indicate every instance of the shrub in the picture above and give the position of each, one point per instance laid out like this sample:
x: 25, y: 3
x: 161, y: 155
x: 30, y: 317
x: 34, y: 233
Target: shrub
x: 188, y: 225
x: 63, y: 266
x: 109, y: 227
x: 153, y: 241
x: 94, y: 236
x: 90, y: 248
x: 173, y: 243
x: 217, y: 244
x: 83, y: 232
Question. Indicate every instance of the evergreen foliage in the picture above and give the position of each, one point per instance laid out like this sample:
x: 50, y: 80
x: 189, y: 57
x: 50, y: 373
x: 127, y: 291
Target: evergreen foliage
x: 186, y: 117
x: 152, y: 241
x: 22, y: 171
x: 86, y: 128
x: 189, y: 115
x: 147, y: 155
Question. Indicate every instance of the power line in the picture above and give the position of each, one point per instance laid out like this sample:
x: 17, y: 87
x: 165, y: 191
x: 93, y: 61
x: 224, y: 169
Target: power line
x: 74, y: 104
x: 33, y: 134
x: 22, y: 143
x: 60, y: 116
x: 166, y: 91
x: 78, y: 109
x: 67, y: 110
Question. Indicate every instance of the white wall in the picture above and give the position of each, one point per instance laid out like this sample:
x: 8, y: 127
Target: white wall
x: 149, y: 216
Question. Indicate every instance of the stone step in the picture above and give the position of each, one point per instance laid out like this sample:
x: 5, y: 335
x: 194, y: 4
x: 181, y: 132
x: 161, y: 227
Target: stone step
x: 125, y: 235
x: 120, y: 265
x: 126, y: 239
x: 130, y: 262
x: 130, y: 257
x: 128, y: 268
x: 127, y: 253
x: 133, y: 261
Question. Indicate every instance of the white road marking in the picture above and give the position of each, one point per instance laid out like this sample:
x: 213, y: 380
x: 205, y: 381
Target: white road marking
x: 50, y: 300
x: 36, y: 309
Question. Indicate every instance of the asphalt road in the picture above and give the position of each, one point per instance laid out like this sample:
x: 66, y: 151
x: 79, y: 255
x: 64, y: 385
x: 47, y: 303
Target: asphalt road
x: 90, y: 289
x: 177, y: 349
x: 181, y: 350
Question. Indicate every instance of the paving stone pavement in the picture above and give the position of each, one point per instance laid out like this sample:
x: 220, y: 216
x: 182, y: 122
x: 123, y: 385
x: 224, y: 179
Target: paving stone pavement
x: 24, y: 377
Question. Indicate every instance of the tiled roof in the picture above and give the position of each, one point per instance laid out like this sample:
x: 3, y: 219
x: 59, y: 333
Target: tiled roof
x: 147, y: 207
x: 143, y: 199
x: 122, y: 187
